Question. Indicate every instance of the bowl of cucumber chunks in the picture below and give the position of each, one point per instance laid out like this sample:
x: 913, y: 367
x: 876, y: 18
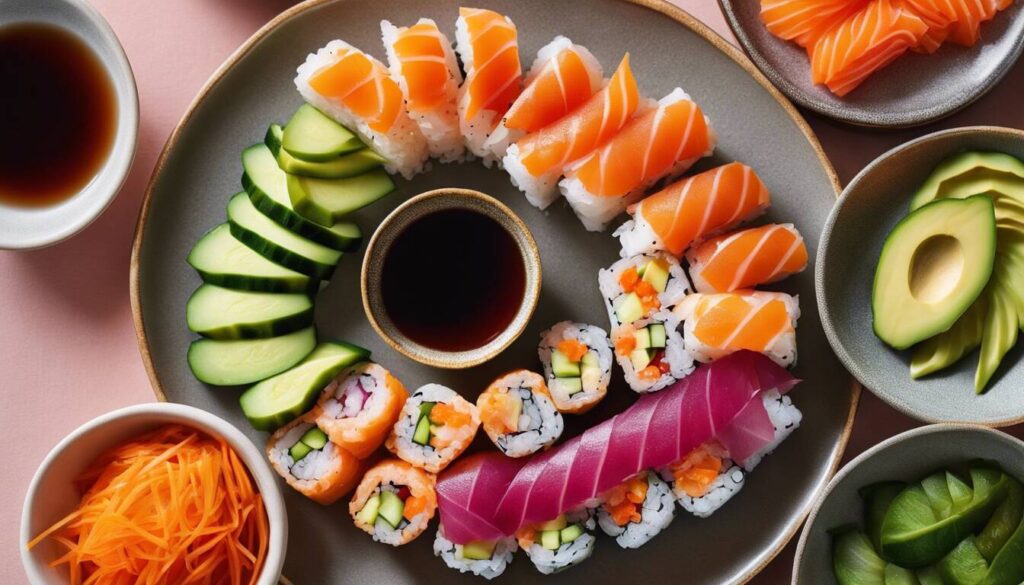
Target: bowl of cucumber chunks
x: 286, y: 230
x: 938, y: 505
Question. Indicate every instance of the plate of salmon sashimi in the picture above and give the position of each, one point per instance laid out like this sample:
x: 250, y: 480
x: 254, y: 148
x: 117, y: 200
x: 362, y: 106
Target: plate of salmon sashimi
x: 881, y: 63
x: 606, y: 192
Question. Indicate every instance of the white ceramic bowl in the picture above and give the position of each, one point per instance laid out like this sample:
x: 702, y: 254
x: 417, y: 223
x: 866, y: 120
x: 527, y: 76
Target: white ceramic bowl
x: 51, y: 495
x: 22, y: 227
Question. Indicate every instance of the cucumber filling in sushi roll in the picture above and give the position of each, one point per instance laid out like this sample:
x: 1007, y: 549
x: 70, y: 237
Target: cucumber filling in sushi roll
x: 518, y: 415
x: 577, y: 361
x: 394, y: 502
x: 637, y: 510
x: 651, y: 352
x: 639, y: 286
x: 309, y: 462
x: 558, y: 544
x: 360, y: 406
x: 487, y: 559
x: 435, y: 427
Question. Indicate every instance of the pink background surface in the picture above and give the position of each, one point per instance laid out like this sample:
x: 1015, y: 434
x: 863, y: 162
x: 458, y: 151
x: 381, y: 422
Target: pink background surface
x: 67, y: 344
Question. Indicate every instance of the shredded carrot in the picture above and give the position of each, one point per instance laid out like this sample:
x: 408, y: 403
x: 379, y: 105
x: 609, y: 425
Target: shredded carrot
x: 173, y: 506
x: 498, y: 411
x: 695, y: 473
x: 625, y: 345
x: 645, y: 289
x: 624, y: 501
x: 572, y: 349
x: 628, y: 279
x: 413, y: 507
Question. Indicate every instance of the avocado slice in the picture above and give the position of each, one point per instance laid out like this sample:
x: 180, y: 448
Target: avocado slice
x: 854, y: 562
x: 550, y: 539
x: 877, y: 499
x: 571, y: 533
x: 640, y: 359
x: 656, y: 273
x: 569, y: 386
x: 628, y: 308
x: 391, y: 508
x: 479, y: 550
x: 970, y: 165
x: 659, y: 337
x: 556, y: 524
x: 310, y: 135
x: 934, y: 264
x: 643, y: 338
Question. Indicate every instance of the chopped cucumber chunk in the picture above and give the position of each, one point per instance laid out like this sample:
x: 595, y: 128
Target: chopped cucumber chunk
x: 299, y: 450
x: 223, y: 313
x: 643, y: 338
x: 569, y: 386
x: 479, y: 550
x: 550, y: 539
x: 327, y: 200
x: 391, y: 508
x: 556, y: 524
x: 656, y: 274
x: 659, y: 338
x: 421, y: 435
x: 571, y: 532
x: 590, y: 359
x: 315, y: 438
x: 426, y: 407
x: 628, y: 308
x: 311, y: 135
x: 562, y: 366
x: 640, y: 358
x: 223, y: 260
x: 368, y: 515
x: 244, y: 361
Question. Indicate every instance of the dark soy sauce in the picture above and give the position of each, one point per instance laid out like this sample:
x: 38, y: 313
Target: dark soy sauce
x: 453, y: 280
x: 58, y: 110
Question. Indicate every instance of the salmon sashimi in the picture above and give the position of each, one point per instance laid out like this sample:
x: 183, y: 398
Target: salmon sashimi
x: 535, y: 162
x: 864, y: 43
x: 659, y: 143
x: 747, y: 258
x: 716, y: 325
x: 421, y: 59
x: 673, y: 218
x: 805, y: 21
x: 487, y: 43
x: 970, y: 14
x: 358, y: 92
x: 939, y: 15
x: 562, y: 77
x: 359, y: 407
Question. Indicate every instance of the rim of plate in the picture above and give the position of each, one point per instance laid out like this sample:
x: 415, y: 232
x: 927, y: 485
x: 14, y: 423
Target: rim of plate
x: 903, y: 119
x: 663, y: 7
x: 838, y: 347
x: 868, y: 454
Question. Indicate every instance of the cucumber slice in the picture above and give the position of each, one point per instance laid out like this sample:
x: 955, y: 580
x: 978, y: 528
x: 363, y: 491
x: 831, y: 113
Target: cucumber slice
x: 896, y: 575
x: 550, y: 540
x: 640, y: 359
x: 562, y: 367
x: 658, y: 336
x: 244, y: 361
x: 569, y: 386
x: 479, y: 550
x: 346, y: 165
x: 421, y: 435
x: 299, y: 450
x: 276, y: 243
x: 314, y: 438
x: 224, y: 313
x: 854, y: 561
x: 643, y: 338
x: 877, y: 499
x: 327, y: 200
x: 221, y: 259
x: 311, y: 135
x: 391, y: 508
x: 276, y: 401
x: 628, y: 308
x: 267, y: 186
x: 571, y: 533
x: 368, y: 515
x: 591, y: 360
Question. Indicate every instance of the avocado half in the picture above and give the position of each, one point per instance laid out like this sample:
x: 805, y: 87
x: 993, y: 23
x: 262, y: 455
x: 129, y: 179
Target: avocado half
x: 934, y: 264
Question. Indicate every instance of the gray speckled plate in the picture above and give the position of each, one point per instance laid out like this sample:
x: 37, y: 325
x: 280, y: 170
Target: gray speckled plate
x: 907, y: 457
x: 200, y: 168
x: 870, y: 206
x: 913, y: 90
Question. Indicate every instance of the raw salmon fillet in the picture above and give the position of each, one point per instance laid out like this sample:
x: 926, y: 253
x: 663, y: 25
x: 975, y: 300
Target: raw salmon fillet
x: 805, y: 21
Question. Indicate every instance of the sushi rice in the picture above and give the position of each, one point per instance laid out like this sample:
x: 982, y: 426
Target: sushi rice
x: 568, y: 554
x: 656, y: 512
x: 523, y: 395
x: 452, y: 556
x: 594, y: 387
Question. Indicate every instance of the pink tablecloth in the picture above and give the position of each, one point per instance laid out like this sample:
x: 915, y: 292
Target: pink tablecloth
x: 67, y: 344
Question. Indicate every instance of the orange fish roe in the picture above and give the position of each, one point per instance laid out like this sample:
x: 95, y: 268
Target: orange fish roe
x: 694, y: 473
x: 629, y: 279
x: 624, y: 501
x: 650, y: 373
x: 572, y: 349
x: 625, y: 344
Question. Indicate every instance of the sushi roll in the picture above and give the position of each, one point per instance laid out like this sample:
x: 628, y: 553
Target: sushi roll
x: 394, y: 502
x: 577, y: 361
x: 359, y: 408
x: 562, y: 77
x: 421, y: 59
x: 693, y: 208
x: 483, y: 559
x: 536, y: 161
x: 715, y: 325
x: 301, y: 453
x: 651, y: 352
x: 747, y: 258
x: 357, y: 91
x: 435, y: 427
x: 659, y: 143
x: 639, y: 286
x: 487, y: 43
x: 637, y: 510
x: 558, y: 544
x: 518, y: 415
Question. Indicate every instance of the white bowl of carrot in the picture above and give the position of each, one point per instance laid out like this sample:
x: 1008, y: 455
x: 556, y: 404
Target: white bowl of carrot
x: 154, y: 493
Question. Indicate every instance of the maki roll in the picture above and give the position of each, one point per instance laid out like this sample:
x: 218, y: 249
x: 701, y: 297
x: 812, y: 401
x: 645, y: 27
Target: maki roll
x: 518, y: 415
x: 435, y: 427
x: 360, y: 406
x: 651, y: 352
x: 483, y: 559
x: 301, y: 453
x: 577, y: 361
x: 637, y: 510
x: 394, y: 502
x: 558, y: 544
x: 715, y: 325
x: 639, y: 286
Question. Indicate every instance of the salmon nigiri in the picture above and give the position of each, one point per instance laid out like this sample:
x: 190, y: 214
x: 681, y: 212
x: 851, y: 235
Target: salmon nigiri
x: 356, y: 90
x: 488, y: 44
x: 747, y: 258
x: 421, y: 59
x: 663, y: 141
x: 715, y: 325
x: 864, y: 43
x: 536, y: 161
x: 697, y: 206
x: 562, y: 77
x: 804, y: 21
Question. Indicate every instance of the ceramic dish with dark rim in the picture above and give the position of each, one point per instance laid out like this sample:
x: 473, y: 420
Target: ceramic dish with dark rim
x: 870, y: 206
x: 908, y: 457
x: 752, y: 119
x: 913, y: 90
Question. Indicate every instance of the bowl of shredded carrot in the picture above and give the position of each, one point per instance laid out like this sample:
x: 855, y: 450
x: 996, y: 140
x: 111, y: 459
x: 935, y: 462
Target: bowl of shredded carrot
x: 154, y: 494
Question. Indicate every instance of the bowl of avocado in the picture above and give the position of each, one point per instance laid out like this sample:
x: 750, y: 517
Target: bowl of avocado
x: 920, y: 276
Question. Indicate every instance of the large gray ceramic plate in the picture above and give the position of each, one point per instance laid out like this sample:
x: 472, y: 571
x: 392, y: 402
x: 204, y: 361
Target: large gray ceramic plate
x: 871, y: 205
x: 913, y: 90
x: 906, y: 457
x: 200, y: 169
